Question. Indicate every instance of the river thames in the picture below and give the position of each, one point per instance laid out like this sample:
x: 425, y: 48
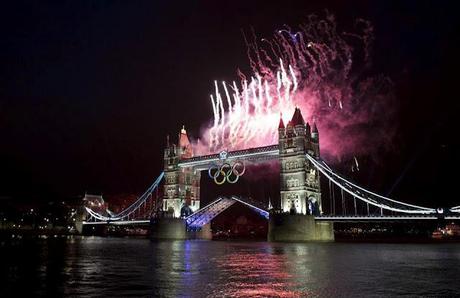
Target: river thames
x: 122, y: 267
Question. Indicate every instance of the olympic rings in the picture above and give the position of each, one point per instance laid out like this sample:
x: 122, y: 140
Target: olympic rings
x: 226, y: 172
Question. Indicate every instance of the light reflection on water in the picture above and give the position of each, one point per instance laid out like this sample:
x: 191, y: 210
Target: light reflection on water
x: 121, y: 267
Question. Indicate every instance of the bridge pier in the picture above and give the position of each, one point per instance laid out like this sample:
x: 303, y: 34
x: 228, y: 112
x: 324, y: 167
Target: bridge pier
x: 168, y: 229
x: 204, y: 233
x: 176, y: 229
x: 79, y: 226
x: 284, y: 227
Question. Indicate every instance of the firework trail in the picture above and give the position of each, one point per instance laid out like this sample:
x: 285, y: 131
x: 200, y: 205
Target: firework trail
x: 316, y: 69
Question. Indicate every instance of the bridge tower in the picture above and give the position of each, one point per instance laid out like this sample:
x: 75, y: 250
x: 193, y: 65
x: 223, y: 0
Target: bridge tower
x: 182, y: 185
x: 300, y: 191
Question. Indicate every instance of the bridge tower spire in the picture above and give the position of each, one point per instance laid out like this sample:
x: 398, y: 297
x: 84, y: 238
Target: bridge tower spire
x: 300, y: 189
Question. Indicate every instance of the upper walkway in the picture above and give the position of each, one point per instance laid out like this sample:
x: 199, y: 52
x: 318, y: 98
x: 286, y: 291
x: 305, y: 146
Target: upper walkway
x: 253, y: 154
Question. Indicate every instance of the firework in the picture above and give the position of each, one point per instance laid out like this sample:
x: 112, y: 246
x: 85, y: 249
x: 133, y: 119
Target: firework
x: 314, y: 69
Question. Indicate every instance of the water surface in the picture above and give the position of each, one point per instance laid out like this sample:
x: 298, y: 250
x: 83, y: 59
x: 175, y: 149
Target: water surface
x: 122, y: 267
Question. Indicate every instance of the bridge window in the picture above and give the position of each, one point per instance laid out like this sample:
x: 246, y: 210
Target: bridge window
x: 291, y: 165
x: 292, y: 183
x: 293, y: 197
x: 171, y: 179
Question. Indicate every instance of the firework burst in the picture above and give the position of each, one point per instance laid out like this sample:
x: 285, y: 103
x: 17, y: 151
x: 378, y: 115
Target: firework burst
x: 314, y: 68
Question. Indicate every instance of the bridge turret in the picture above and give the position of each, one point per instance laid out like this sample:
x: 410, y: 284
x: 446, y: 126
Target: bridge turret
x: 313, y: 178
x: 315, y: 140
x: 171, y: 169
x: 186, y: 150
x: 298, y: 122
x: 281, y: 129
x: 315, y: 133
x: 171, y: 157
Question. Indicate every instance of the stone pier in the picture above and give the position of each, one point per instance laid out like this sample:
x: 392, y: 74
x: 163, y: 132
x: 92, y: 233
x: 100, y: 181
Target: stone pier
x: 285, y: 227
x: 176, y: 229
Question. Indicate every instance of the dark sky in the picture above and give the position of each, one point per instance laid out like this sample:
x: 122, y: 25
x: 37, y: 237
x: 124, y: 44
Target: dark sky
x: 89, y: 89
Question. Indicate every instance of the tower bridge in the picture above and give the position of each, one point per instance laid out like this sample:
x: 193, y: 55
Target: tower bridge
x: 300, y: 214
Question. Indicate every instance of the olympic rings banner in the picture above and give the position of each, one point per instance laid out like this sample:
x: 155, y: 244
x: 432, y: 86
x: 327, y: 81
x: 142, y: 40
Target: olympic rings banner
x: 226, y: 172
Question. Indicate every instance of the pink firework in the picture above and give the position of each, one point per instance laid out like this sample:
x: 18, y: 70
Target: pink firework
x: 313, y: 68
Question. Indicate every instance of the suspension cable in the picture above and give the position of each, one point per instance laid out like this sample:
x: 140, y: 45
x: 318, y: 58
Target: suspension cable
x: 324, y: 167
x: 357, y: 194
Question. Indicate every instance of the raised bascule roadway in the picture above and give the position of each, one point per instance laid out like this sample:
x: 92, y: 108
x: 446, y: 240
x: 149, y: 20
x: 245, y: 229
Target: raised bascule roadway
x: 300, y: 193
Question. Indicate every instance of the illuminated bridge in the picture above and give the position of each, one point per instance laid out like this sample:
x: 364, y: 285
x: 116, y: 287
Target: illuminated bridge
x: 300, y: 190
x: 377, y: 207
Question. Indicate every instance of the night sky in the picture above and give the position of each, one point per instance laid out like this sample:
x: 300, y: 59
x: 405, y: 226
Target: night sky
x: 90, y: 89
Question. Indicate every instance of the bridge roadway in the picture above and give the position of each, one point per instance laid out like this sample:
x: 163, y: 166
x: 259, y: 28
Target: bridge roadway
x: 118, y: 222
x: 384, y: 218
x: 326, y: 218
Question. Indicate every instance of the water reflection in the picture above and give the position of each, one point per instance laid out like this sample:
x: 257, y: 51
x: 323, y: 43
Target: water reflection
x: 120, y: 267
x: 255, y: 274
